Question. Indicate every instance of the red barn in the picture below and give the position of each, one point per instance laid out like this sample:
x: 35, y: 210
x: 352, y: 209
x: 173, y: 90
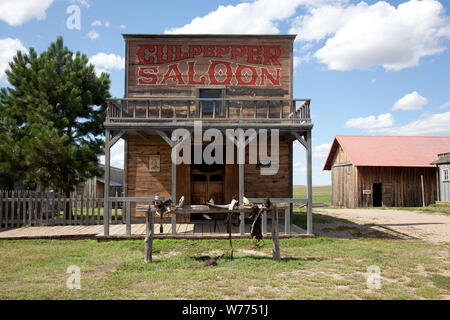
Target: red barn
x: 375, y: 171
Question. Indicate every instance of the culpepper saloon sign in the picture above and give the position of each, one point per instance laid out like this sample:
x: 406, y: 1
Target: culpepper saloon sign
x: 208, y: 64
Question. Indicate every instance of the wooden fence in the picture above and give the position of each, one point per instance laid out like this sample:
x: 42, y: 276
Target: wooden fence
x: 25, y: 208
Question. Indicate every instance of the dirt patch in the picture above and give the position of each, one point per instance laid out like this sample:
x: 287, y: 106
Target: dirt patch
x: 396, y: 223
x: 254, y: 253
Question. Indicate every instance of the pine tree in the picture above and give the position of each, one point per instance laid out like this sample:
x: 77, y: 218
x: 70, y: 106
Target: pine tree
x: 51, y: 119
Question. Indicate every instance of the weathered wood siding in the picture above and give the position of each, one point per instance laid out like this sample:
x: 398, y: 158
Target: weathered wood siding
x: 401, y: 187
x: 274, y: 186
x: 343, y: 181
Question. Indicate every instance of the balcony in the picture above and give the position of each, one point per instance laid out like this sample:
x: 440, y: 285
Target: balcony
x: 182, y: 111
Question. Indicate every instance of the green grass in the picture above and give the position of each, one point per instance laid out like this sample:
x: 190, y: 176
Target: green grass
x: 321, y: 194
x: 78, y: 215
x: 318, y: 268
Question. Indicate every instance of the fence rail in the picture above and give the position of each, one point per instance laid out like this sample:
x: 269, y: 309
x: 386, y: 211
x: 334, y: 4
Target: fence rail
x: 25, y: 208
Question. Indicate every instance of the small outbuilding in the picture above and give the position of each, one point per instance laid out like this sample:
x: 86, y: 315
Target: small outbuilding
x: 95, y: 186
x: 443, y: 178
x: 384, y: 171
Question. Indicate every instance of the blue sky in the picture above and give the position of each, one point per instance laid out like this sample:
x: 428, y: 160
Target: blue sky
x: 373, y: 67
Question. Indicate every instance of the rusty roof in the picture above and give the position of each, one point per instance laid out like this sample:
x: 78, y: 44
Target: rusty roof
x: 389, y: 151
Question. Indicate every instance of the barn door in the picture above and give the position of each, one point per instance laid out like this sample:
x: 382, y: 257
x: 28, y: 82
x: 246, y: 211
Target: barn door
x: 387, y: 195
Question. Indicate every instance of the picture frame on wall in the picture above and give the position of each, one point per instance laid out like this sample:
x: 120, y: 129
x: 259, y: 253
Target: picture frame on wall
x: 155, y: 163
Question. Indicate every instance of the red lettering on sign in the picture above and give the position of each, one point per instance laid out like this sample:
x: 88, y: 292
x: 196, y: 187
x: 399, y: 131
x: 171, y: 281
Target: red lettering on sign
x: 176, y: 77
x: 212, y: 72
x: 266, y: 73
x: 253, y: 77
x: 269, y: 56
x: 237, y: 51
x: 222, y: 50
x: 142, y: 54
x: 191, y: 74
x: 149, y: 74
x: 178, y: 55
x: 195, y: 51
x: 160, y: 53
x: 254, y: 51
x: 208, y: 51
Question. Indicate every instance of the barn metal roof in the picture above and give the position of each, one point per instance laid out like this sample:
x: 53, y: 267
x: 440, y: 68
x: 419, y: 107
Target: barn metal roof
x: 389, y: 151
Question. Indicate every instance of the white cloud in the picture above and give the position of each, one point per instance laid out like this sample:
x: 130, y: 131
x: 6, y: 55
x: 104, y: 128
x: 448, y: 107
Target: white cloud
x: 362, y: 36
x: 260, y: 16
x: 445, y: 105
x: 84, y: 3
x: 17, y: 12
x: 107, y: 62
x: 321, y: 150
x: 122, y: 26
x: 96, y: 23
x: 8, y: 49
x: 427, y: 124
x: 371, y: 123
x: 117, y: 155
x: 411, y: 101
x: 297, y: 164
x: 93, y: 34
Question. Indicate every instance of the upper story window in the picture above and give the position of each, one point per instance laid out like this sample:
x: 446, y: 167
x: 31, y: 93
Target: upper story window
x: 208, y: 107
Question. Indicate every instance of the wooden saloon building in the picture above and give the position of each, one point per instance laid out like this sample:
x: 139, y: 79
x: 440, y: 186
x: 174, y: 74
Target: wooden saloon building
x: 223, y: 82
x: 388, y: 171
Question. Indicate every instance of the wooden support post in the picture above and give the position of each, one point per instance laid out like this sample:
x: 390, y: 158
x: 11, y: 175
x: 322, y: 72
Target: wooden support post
x: 229, y: 218
x: 241, y: 198
x: 174, y: 197
x: 1, y: 210
x: 149, y: 234
x: 423, y: 191
x: 309, y: 181
x: 287, y: 221
x: 275, y: 234
x: 128, y: 213
x: 107, y: 176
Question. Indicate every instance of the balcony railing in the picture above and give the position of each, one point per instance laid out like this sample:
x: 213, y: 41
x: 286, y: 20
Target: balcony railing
x: 247, y: 110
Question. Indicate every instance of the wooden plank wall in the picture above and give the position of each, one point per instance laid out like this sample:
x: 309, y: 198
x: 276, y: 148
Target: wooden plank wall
x: 274, y: 186
x: 140, y: 181
x: 343, y: 180
x: 404, y: 182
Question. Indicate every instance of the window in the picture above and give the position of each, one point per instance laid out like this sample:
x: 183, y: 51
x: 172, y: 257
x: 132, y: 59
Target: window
x: 208, y: 106
x: 446, y: 175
